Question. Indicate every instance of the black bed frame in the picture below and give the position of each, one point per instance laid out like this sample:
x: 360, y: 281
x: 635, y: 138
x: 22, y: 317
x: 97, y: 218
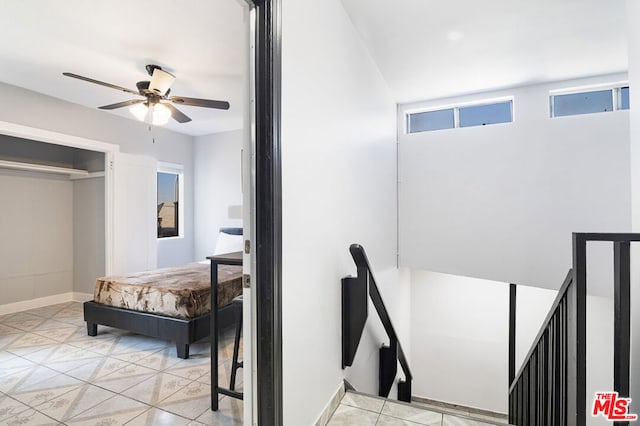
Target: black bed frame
x: 182, y: 331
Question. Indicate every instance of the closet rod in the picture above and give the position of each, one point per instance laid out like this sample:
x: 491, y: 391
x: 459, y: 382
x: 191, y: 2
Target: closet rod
x: 41, y: 168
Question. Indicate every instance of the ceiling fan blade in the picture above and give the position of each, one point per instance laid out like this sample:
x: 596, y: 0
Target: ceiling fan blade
x: 207, y: 103
x: 161, y: 81
x: 177, y: 115
x: 122, y: 104
x: 101, y: 83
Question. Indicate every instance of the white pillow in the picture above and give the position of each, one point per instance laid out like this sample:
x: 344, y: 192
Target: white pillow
x: 228, y: 243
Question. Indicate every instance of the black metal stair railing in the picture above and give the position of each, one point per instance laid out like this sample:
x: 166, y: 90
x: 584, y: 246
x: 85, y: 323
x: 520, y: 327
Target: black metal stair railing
x: 354, y: 317
x: 550, y: 387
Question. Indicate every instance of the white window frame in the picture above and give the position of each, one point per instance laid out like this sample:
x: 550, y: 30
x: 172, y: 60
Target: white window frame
x: 456, y: 112
x: 615, y: 87
x: 176, y: 169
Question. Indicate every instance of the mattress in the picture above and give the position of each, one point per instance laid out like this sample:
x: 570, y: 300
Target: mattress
x: 178, y: 292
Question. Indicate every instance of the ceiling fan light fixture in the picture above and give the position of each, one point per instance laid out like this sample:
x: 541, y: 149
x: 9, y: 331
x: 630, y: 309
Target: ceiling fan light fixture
x: 139, y: 111
x: 161, y: 114
x: 157, y: 106
x: 161, y: 81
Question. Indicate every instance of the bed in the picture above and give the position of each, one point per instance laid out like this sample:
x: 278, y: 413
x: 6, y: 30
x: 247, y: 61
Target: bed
x: 170, y: 303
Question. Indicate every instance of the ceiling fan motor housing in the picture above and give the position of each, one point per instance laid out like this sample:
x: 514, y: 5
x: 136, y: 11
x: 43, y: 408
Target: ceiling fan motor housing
x: 143, y: 86
x: 151, y: 68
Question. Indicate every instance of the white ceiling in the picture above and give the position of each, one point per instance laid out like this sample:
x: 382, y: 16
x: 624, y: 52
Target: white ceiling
x: 425, y: 49
x: 428, y: 49
x: 200, y: 41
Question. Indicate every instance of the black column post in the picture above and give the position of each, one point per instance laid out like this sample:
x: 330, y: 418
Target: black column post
x: 622, y: 315
x: 268, y: 232
x: 576, y: 318
x: 512, y: 332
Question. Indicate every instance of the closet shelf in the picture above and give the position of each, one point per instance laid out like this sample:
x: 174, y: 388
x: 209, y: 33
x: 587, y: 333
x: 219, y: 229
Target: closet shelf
x: 41, y: 168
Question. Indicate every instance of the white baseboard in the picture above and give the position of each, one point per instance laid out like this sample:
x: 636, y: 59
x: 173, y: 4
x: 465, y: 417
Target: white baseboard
x: 81, y: 297
x: 40, y: 302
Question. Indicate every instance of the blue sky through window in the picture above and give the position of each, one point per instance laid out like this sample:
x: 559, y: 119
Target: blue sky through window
x: 480, y: 115
x: 167, y: 187
x: 583, y: 103
x: 624, y: 98
x: 431, y: 120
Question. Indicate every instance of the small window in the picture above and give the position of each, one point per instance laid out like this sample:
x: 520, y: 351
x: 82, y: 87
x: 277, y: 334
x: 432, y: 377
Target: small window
x: 582, y: 103
x: 170, y: 188
x: 624, y: 98
x: 612, y: 99
x: 481, y: 115
x: 431, y: 120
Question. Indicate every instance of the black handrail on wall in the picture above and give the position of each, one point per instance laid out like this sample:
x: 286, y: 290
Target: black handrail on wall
x: 354, y: 317
x: 550, y: 387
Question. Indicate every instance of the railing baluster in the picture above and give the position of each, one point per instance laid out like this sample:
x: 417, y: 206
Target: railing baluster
x: 355, y: 299
x: 550, y: 387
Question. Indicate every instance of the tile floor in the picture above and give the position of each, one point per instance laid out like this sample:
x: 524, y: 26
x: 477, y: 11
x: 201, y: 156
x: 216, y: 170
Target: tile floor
x: 364, y: 410
x: 52, y: 373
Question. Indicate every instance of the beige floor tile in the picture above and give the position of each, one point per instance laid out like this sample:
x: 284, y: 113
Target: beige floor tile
x: 224, y: 376
x: 10, y: 407
x: 58, y: 334
x: 117, y: 410
x: 49, y: 362
x: 107, y: 366
x: 51, y: 324
x: 85, y: 369
x: 53, y: 353
x: 7, y: 340
x: 157, y: 388
x: 40, y: 396
x: 75, y: 402
x: 30, y: 417
x: 125, y: 378
x: 362, y: 401
x: 190, y: 401
x: 37, y: 377
x: 12, y: 377
x: 25, y: 323
x: 28, y: 343
x: 156, y: 417
x: 346, y: 415
x: 11, y: 362
x: 160, y: 359
x: 6, y: 329
x: 385, y: 420
x: 411, y: 413
x: 229, y: 413
x: 191, y: 372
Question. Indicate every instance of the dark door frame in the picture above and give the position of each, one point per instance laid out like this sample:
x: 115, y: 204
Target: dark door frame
x: 267, y: 244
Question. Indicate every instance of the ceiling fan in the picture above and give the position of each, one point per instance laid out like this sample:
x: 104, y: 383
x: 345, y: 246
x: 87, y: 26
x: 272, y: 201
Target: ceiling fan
x: 156, y: 107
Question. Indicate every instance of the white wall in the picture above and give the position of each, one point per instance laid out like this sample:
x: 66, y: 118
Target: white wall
x: 633, y: 33
x: 29, y: 108
x: 460, y: 340
x: 532, y: 307
x: 500, y: 202
x: 88, y: 233
x: 36, y: 249
x: 338, y: 187
x: 218, y: 187
x: 600, y: 316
